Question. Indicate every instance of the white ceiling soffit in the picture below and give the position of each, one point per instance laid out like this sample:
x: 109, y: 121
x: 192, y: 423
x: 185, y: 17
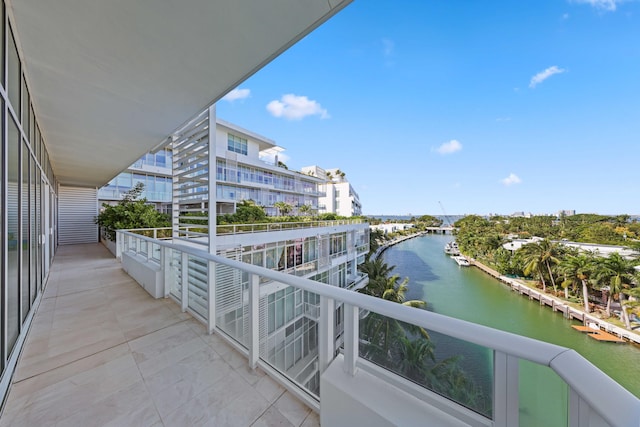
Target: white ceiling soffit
x: 110, y: 80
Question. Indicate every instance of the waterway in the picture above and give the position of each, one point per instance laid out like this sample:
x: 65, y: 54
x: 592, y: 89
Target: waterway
x: 470, y: 294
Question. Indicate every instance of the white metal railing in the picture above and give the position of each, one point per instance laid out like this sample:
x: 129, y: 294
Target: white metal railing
x: 225, y: 295
x: 279, y: 226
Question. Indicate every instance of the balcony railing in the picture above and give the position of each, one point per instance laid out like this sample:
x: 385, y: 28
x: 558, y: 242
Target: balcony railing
x: 234, y: 299
x: 279, y: 226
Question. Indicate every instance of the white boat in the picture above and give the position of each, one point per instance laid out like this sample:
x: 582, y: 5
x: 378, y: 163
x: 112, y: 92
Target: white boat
x: 451, y: 248
x: 462, y: 261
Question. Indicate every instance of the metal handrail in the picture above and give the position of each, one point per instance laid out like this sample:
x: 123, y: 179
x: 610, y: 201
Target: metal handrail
x: 597, y: 389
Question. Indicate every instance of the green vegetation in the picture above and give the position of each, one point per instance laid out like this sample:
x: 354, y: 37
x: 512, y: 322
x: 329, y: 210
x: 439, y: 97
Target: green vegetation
x: 594, y: 282
x: 408, y: 350
x: 130, y: 212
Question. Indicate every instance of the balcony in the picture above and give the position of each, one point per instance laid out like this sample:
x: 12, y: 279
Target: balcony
x: 100, y: 348
x: 102, y: 351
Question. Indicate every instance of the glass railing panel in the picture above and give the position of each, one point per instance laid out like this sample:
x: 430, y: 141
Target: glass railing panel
x: 456, y: 369
x: 543, y: 396
x: 289, y: 334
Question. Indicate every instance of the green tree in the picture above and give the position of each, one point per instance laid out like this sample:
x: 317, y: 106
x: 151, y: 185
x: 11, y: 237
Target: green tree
x: 617, y: 273
x: 130, y: 212
x: 305, y: 209
x: 283, y: 208
x: 577, y: 270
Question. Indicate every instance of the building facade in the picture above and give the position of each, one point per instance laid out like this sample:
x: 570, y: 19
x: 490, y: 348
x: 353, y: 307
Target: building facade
x: 154, y: 171
x: 337, y: 194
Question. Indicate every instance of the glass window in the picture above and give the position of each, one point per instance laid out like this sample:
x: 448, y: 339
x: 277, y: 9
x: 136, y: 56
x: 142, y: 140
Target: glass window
x: 25, y: 241
x: 13, y: 229
x: 25, y: 106
x: 13, y: 76
x: 2, y: 44
x: 33, y: 196
x: 237, y: 144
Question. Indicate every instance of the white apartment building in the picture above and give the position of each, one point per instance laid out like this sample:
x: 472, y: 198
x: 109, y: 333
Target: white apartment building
x: 247, y: 169
x: 338, y: 195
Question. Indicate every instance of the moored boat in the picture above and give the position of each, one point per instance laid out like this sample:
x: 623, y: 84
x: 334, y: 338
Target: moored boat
x: 461, y: 260
x: 451, y: 248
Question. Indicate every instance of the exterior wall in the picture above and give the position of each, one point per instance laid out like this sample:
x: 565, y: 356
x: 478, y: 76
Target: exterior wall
x: 27, y: 209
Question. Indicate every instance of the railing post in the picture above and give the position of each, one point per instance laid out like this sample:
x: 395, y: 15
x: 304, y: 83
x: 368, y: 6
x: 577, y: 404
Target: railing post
x: 165, y: 265
x: 254, y: 320
x: 211, y: 297
x: 118, y: 246
x: 184, y: 283
x: 326, y: 336
x: 506, y: 405
x: 137, y: 245
x: 578, y: 410
x: 351, y: 338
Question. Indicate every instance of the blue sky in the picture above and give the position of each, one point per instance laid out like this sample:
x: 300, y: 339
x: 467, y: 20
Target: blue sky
x: 487, y: 107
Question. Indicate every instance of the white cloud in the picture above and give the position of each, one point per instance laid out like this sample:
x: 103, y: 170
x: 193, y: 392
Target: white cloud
x: 608, y: 5
x: 449, y: 147
x: 544, y: 75
x: 294, y: 107
x: 236, y: 94
x: 511, y: 179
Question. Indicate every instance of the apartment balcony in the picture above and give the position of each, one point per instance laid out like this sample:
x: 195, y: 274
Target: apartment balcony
x: 102, y: 349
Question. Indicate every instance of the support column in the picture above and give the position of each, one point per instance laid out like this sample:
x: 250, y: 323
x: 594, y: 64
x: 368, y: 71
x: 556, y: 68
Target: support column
x: 326, y: 335
x: 506, y: 404
x: 351, y: 338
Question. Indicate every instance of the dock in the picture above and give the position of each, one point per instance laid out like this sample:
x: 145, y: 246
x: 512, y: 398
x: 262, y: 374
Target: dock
x: 598, y: 334
x: 608, y: 331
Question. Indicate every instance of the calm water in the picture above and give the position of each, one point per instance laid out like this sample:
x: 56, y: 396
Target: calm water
x: 469, y: 294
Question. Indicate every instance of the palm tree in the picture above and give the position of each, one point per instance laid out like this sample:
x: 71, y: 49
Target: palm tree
x: 283, y: 208
x: 533, y: 258
x: 577, y: 270
x: 550, y: 254
x: 395, y: 292
x: 305, y: 209
x: 378, y: 272
x: 618, y: 274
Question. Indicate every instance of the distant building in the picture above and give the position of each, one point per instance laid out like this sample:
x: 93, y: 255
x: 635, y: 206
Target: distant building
x: 566, y: 213
x: 339, y: 196
x: 521, y: 215
x: 152, y: 170
x: 392, y: 228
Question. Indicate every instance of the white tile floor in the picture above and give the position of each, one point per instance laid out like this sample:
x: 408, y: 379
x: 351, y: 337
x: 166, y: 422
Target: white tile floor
x: 101, y: 351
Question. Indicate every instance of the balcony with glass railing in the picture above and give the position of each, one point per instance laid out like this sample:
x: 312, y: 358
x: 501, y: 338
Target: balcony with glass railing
x: 386, y: 364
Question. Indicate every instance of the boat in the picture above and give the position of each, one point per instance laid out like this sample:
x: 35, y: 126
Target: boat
x: 462, y: 261
x: 451, y: 248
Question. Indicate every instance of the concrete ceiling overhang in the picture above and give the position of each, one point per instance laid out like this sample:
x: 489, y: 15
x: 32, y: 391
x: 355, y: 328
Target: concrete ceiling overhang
x: 110, y: 80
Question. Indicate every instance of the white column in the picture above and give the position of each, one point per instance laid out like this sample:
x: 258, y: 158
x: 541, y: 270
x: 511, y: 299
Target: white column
x: 506, y: 403
x: 212, y: 218
x: 351, y: 338
x: 326, y: 335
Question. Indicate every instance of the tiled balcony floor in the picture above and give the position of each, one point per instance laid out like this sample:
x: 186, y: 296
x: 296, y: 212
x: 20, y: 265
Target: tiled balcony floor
x: 101, y: 351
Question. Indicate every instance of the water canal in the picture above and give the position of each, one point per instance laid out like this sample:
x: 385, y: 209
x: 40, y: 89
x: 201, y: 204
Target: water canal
x: 470, y: 294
